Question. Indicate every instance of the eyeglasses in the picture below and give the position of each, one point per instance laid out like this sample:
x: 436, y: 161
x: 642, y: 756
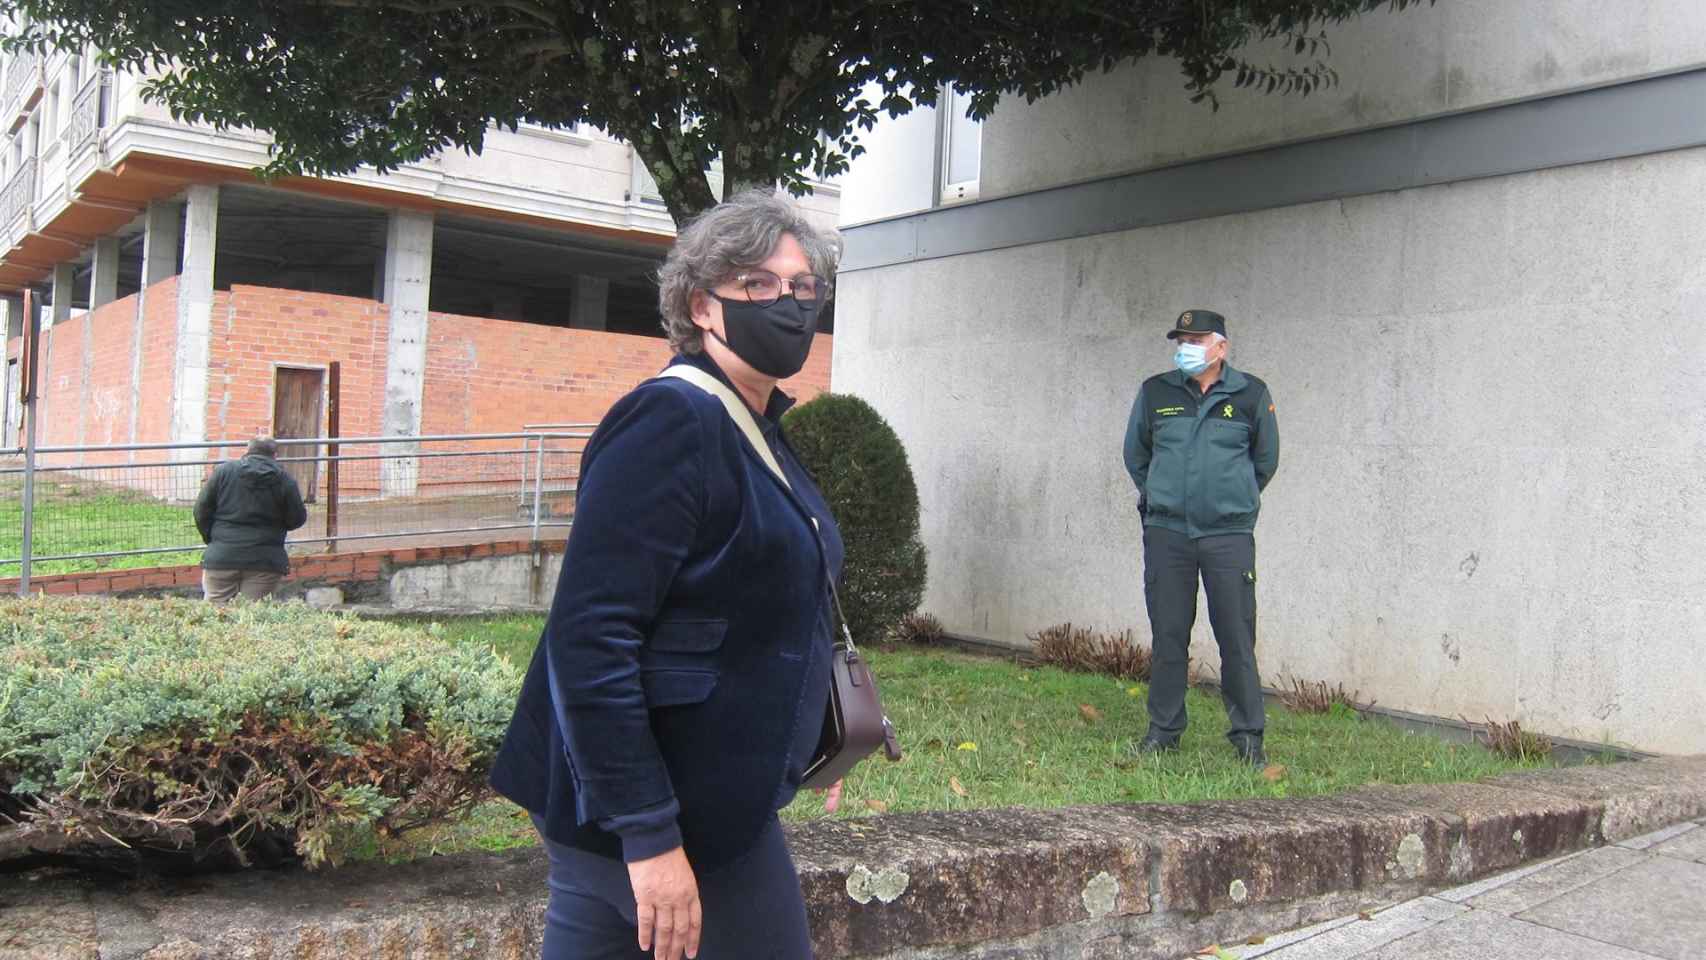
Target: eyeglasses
x: 764, y: 288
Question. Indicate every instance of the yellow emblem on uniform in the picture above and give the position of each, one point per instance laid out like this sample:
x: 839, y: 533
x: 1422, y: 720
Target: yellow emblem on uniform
x: 1185, y: 319
x: 1226, y: 411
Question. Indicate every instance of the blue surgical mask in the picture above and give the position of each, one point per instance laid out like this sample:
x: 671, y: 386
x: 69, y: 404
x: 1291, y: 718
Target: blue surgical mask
x: 1191, y: 359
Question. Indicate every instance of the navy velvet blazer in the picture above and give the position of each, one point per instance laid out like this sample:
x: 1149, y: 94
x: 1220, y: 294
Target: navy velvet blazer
x: 685, y: 656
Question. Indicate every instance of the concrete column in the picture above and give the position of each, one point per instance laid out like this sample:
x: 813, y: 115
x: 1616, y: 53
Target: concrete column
x: 103, y: 289
x: 195, y: 322
x: 408, y: 283
x: 64, y: 279
x: 591, y: 308
x: 160, y: 242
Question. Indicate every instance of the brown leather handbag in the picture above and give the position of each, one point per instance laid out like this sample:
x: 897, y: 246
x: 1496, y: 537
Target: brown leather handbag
x: 854, y: 724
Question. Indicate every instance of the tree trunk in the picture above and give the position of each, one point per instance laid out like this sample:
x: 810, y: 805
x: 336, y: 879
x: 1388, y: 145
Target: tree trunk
x: 747, y: 164
x: 685, y: 188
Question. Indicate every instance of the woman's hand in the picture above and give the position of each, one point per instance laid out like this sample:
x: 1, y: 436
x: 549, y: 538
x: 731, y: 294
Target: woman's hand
x: 666, y: 904
x: 831, y: 797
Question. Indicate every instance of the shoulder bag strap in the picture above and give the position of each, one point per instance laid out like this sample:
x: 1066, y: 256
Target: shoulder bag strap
x: 738, y: 412
x: 742, y: 416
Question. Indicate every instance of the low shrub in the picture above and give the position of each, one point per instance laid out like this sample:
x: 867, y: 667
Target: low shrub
x: 172, y: 734
x: 1302, y: 696
x: 1082, y: 649
x: 1511, y: 741
x: 920, y: 628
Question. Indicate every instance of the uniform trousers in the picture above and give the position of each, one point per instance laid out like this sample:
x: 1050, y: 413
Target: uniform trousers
x: 1226, y: 564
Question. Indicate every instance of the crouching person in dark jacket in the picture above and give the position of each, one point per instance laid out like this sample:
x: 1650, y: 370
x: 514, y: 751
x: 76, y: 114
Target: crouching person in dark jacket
x: 243, y: 513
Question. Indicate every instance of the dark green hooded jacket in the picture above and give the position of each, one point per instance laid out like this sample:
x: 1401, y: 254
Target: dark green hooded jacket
x: 243, y: 513
x: 1201, y: 462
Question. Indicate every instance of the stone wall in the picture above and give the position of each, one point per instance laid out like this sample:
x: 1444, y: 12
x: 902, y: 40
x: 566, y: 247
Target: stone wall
x: 1133, y: 881
x: 476, y: 576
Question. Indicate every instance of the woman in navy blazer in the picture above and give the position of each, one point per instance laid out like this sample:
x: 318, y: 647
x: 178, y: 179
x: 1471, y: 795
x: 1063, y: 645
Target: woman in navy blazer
x: 678, y: 691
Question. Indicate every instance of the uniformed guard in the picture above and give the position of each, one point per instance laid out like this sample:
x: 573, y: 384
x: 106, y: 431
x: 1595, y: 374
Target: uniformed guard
x: 1201, y: 445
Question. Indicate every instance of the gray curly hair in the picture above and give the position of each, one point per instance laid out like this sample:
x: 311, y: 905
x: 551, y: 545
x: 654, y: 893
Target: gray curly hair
x: 735, y: 235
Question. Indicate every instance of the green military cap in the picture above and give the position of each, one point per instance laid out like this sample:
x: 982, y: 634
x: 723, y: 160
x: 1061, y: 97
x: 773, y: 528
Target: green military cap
x: 1198, y: 321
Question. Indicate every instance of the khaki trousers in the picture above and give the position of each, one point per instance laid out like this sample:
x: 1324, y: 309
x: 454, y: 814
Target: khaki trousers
x: 222, y: 586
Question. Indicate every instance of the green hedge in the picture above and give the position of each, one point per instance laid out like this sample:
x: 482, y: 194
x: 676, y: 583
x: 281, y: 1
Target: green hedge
x: 861, y: 466
x: 177, y: 731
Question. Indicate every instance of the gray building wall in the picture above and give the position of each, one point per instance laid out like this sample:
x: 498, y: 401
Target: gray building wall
x: 1430, y: 60
x: 1492, y: 493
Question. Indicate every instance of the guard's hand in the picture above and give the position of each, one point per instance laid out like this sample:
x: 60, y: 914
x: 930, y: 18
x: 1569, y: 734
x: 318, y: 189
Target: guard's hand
x: 666, y: 905
x: 831, y: 797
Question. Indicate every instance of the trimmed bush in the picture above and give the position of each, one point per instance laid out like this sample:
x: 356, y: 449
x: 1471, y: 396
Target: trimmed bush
x: 176, y: 734
x: 861, y: 467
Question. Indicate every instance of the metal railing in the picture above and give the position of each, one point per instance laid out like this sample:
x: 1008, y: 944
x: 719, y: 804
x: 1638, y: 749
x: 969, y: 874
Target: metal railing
x: 19, y: 194
x: 25, y: 67
x: 86, y: 121
x: 92, y: 505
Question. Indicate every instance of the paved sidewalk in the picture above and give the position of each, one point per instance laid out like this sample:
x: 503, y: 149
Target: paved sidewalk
x: 1641, y: 899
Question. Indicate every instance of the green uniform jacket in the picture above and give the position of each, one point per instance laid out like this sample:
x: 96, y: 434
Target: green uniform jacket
x: 1201, y: 463
x: 243, y: 513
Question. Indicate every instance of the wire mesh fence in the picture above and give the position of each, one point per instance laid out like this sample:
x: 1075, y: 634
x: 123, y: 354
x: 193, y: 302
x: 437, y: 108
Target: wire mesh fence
x: 133, y: 505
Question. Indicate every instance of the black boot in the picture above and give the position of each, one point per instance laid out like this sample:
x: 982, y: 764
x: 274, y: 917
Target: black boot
x: 1154, y: 743
x: 1250, y: 750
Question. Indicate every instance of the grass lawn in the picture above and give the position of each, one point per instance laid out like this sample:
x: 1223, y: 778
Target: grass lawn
x: 981, y: 732
x: 93, y: 518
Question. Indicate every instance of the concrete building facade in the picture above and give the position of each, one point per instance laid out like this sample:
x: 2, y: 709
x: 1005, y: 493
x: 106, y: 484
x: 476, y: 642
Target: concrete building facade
x: 1474, y: 275
x: 182, y: 298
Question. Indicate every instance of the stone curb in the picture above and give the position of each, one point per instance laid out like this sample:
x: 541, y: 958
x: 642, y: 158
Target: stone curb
x: 1081, y: 883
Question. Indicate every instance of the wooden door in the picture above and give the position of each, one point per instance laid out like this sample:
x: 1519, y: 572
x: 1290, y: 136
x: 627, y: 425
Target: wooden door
x: 296, y: 413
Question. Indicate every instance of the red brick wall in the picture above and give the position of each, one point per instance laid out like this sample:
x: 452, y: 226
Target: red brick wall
x: 494, y: 376
x: 482, y: 375
x: 257, y: 328
x: 60, y: 385
x: 159, y: 358
x: 112, y: 342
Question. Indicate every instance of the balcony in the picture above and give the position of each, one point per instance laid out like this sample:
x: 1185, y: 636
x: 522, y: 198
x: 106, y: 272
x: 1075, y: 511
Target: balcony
x: 88, y: 115
x: 23, y: 86
x: 17, y: 197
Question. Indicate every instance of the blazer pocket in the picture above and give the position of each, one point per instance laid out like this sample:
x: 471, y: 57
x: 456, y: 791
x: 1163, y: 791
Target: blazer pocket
x: 679, y: 663
x: 677, y: 688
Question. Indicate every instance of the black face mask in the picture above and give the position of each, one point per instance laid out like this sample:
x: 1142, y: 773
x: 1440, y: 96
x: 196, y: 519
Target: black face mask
x: 773, y: 339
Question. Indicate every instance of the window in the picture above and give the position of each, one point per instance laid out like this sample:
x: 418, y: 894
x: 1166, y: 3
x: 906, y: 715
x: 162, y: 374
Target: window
x: 573, y: 133
x: 49, y: 118
x: 642, y: 188
x: 962, y: 148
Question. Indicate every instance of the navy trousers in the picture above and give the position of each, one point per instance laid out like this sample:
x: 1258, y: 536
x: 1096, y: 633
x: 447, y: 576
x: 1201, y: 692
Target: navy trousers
x: 752, y: 908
